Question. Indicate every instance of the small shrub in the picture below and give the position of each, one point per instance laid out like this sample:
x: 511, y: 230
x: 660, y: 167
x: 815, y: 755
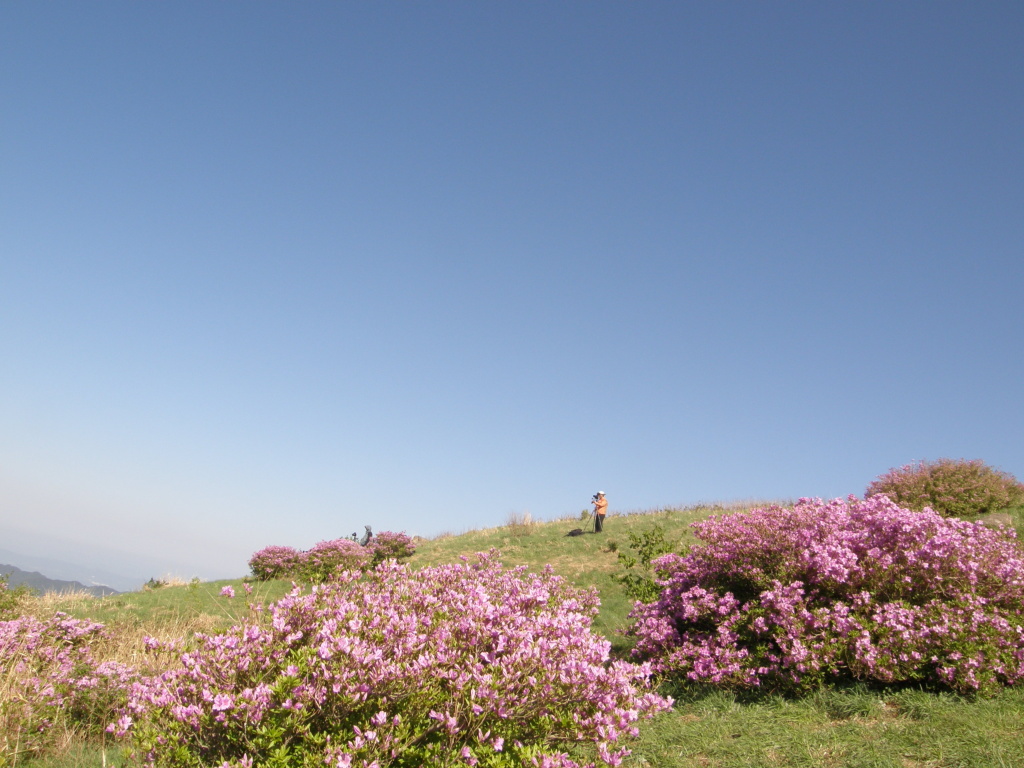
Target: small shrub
x: 447, y: 666
x: 274, y: 562
x: 640, y: 584
x: 789, y: 598
x: 388, y: 545
x: 951, y: 487
x: 12, y: 600
x: 328, y: 558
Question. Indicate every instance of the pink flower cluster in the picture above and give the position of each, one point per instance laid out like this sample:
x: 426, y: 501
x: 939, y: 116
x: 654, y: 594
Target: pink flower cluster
x: 452, y: 665
x: 327, y: 558
x: 48, y: 672
x: 274, y: 562
x: 789, y: 597
x: 388, y: 545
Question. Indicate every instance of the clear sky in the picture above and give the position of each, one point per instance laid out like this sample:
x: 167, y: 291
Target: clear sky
x: 270, y: 272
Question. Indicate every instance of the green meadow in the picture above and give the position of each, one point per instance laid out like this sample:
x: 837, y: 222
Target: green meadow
x: 858, y: 726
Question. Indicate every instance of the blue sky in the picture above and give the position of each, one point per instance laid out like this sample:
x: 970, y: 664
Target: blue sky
x: 270, y: 272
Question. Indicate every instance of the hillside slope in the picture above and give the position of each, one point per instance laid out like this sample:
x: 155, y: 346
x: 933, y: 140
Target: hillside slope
x: 41, y: 584
x: 588, y: 560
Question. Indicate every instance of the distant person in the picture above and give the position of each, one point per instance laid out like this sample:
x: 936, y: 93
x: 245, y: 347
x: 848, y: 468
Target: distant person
x: 600, y: 510
x: 366, y: 536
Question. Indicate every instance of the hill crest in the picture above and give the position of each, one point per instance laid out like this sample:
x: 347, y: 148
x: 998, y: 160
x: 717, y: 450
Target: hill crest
x: 43, y: 584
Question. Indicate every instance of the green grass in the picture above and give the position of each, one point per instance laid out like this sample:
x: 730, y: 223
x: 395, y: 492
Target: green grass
x: 81, y: 755
x: 852, y: 727
x: 198, y: 605
x: 590, y: 560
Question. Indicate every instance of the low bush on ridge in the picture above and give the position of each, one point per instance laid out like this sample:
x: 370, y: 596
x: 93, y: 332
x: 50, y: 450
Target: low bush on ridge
x: 951, y: 487
x: 274, y: 562
x: 388, y: 545
x: 12, y: 600
x: 327, y: 558
x: 787, y: 598
x: 469, y: 664
x: 649, y: 545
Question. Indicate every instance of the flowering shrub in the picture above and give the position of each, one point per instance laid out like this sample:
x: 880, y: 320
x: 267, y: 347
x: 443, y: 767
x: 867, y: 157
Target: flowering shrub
x: 469, y: 664
x: 49, y: 676
x: 787, y: 598
x: 388, y: 545
x: 956, y: 488
x: 328, y: 558
x: 274, y: 562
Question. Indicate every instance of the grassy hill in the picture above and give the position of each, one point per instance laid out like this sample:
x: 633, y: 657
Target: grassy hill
x: 589, y: 560
x: 857, y: 726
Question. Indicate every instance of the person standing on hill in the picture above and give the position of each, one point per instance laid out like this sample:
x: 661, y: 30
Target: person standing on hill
x: 600, y: 510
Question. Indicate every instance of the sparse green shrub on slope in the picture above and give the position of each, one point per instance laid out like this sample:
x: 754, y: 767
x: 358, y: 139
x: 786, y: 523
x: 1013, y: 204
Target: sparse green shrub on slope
x: 951, y: 487
x: 637, y: 578
x: 11, y: 600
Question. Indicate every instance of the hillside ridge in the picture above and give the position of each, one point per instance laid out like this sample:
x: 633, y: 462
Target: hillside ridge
x: 41, y: 584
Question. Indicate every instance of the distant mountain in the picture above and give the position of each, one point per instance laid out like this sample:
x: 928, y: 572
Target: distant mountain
x: 86, y: 568
x: 41, y: 584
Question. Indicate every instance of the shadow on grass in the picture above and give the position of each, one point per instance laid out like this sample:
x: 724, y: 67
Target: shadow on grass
x: 840, y: 700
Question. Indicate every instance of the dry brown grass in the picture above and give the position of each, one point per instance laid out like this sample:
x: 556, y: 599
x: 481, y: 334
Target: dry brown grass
x: 997, y: 520
x: 44, y: 605
x: 519, y: 523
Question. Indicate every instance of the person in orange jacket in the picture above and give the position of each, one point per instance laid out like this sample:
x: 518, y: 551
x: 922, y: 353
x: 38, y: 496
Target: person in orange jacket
x: 600, y: 510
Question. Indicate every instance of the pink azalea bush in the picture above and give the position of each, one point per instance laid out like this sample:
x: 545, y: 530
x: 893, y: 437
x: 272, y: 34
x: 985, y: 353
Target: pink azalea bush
x: 788, y: 598
x: 50, y: 680
x: 274, y: 562
x: 456, y: 665
x: 328, y: 558
x: 389, y: 545
x: 951, y: 487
